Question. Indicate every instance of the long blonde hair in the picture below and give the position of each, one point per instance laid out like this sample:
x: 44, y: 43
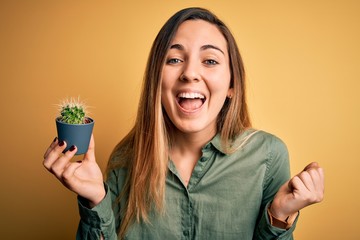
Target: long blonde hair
x: 144, y: 151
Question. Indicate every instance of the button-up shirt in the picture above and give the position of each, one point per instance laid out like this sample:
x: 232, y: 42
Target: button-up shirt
x: 226, y: 197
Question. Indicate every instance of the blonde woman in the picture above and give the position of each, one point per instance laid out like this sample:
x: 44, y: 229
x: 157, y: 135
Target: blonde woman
x: 192, y: 167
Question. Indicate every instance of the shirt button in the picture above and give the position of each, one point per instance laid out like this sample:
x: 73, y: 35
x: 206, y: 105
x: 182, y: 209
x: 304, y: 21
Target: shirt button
x: 186, y: 232
x: 203, y: 159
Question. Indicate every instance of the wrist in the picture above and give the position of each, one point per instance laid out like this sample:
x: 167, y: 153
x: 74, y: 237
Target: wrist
x: 277, y: 212
x: 283, y: 221
x: 94, y: 202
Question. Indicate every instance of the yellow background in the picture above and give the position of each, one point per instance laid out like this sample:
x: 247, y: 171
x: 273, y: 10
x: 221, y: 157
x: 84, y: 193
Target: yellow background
x: 302, y: 60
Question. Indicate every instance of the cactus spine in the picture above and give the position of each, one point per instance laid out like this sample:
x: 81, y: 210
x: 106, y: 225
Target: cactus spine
x: 72, y: 111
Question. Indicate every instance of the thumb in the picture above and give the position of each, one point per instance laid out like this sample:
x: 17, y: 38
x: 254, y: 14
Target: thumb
x: 290, y: 185
x: 90, y: 154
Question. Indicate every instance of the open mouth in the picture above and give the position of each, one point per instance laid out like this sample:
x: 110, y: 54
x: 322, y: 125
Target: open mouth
x: 190, y: 101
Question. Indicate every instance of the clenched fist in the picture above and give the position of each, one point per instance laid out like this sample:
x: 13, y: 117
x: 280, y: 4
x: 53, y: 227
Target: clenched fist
x: 304, y: 189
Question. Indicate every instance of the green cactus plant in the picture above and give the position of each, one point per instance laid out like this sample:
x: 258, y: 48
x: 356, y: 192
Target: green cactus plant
x: 73, y: 111
x: 73, y: 125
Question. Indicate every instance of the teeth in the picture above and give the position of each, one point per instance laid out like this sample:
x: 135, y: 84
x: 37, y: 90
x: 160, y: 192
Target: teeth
x: 191, y: 95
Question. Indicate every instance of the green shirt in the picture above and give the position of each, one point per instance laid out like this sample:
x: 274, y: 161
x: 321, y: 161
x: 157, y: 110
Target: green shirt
x: 226, y: 197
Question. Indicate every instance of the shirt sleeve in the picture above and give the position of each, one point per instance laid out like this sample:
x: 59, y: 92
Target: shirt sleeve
x: 266, y: 231
x: 277, y: 173
x: 99, y: 220
x: 96, y: 221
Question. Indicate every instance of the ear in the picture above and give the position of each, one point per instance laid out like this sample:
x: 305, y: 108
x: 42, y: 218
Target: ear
x: 230, y: 93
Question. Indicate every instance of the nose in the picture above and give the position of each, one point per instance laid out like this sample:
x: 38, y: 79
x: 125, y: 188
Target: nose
x: 191, y: 71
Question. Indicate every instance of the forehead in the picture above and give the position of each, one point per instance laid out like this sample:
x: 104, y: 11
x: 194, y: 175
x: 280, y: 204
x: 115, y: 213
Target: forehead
x: 199, y: 32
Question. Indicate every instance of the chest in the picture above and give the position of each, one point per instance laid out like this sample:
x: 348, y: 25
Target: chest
x: 221, y: 201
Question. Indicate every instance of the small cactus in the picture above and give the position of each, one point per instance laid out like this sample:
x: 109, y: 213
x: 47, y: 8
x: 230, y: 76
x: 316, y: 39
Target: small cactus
x: 73, y: 111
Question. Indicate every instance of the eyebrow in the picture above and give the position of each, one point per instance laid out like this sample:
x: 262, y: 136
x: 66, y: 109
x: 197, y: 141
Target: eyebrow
x: 209, y: 46
x: 204, y: 47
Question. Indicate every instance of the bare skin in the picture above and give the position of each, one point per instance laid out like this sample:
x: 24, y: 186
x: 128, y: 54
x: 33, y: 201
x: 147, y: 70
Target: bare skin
x: 196, y: 65
x: 187, y: 152
x: 84, y: 178
x: 304, y: 189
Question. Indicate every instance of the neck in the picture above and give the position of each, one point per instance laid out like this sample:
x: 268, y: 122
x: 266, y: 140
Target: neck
x: 186, y: 150
x: 191, y: 142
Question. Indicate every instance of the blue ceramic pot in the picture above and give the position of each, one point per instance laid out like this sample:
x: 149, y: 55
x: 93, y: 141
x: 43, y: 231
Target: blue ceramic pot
x: 75, y: 134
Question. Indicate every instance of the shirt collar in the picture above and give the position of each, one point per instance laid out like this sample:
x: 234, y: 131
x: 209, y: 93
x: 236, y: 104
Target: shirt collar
x: 216, y: 140
x: 216, y: 143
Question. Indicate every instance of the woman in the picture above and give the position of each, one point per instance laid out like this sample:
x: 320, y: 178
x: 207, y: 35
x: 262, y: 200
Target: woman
x: 191, y: 167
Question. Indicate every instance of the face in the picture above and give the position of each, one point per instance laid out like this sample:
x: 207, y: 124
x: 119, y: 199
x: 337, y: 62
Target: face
x: 196, y: 77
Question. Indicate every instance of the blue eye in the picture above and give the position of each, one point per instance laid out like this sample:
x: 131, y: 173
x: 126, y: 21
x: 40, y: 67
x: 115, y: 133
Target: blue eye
x: 210, y: 62
x: 173, y: 61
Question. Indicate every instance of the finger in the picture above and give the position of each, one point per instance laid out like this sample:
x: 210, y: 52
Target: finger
x: 90, y: 154
x: 310, y: 168
x: 315, y: 175
x: 68, y: 176
x: 318, y: 182
x: 297, y: 185
x: 54, y: 154
x: 314, y: 190
x: 51, y: 147
x: 317, y: 172
x: 57, y: 168
x: 307, y: 180
x: 311, y: 165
